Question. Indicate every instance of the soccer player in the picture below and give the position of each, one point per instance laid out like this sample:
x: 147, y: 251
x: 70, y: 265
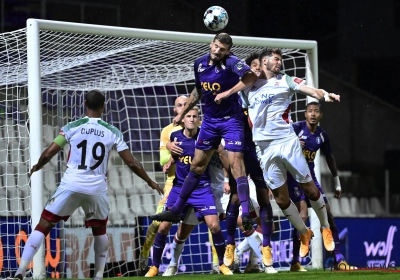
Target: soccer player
x: 312, y: 138
x: 84, y: 182
x: 253, y: 168
x: 165, y: 153
x: 201, y: 200
x: 219, y: 75
x: 269, y: 111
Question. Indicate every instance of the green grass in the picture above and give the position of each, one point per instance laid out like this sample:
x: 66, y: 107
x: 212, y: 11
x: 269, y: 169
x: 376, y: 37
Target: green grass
x: 311, y: 274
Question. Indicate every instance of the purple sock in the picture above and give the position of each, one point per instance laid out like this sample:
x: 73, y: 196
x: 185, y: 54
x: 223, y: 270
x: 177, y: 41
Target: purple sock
x: 158, y: 248
x: 232, y: 214
x: 338, y: 254
x: 191, y: 182
x: 266, y: 224
x: 219, y: 244
x: 296, y: 247
x: 243, y: 193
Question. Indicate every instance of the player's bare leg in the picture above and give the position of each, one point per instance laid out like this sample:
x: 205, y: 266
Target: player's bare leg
x: 318, y: 204
x: 239, y: 174
x: 290, y: 211
x: 197, y: 168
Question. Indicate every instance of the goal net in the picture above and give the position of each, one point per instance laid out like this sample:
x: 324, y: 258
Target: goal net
x: 45, y: 71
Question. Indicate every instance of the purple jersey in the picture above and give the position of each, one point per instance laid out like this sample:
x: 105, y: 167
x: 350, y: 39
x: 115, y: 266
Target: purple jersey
x: 217, y: 78
x: 313, y: 142
x: 185, y: 159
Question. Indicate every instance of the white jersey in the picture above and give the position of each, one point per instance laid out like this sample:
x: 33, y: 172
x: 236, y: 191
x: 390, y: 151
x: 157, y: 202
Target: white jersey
x: 90, y: 140
x: 269, y: 106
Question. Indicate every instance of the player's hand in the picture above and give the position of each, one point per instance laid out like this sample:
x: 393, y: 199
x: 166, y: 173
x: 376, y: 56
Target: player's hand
x: 220, y: 96
x: 177, y: 120
x: 302, y: 143
x: 167, y: 167
x: 338, y: 194
x: 331, y: 97
x: 174, y: 148
x: 34, y: 169
x: 227, y: 188
x: 156, y: 187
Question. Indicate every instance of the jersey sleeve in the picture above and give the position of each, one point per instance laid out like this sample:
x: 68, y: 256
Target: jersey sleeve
x: 294, y: 83
x: 65, y: 131
x: 326, y: 145
x: 238, y: 66
x: 119, y: 142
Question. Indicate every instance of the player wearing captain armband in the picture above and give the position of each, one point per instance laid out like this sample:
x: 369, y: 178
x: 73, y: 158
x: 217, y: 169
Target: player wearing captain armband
x: 166, y: 148
x: 201, y: 200
x: 312, y: 138
x: 269, y: 109
x: 84, y: 182
x: 219, y: 75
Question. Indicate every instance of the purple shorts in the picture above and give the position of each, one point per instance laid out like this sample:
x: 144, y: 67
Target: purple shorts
x: 213, y: 130
x: 296, y: 194
x: 201, y: 200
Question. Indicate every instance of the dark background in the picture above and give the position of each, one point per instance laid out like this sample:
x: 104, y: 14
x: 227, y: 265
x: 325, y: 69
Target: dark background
x: 359, y: 58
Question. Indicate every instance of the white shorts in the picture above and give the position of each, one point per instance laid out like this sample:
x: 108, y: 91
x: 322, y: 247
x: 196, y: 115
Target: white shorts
x: 254, y: 206
x: 281, y: 156
x: 218, y: 192
x: 64, y: 202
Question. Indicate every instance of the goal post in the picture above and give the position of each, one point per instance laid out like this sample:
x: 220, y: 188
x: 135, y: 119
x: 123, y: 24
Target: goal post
x: 87, y: 49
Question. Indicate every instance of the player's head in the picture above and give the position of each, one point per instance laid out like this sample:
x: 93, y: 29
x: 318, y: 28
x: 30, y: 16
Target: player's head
x: 192, y: 118
x: 313, y: 113
x: 94, y: 100
x: 180, y: 102
x: 253, y: 61
x: 220, y: 46
x: 271, y: 60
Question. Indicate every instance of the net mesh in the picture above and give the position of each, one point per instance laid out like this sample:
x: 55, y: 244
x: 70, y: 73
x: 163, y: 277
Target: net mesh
x: 141, y: 79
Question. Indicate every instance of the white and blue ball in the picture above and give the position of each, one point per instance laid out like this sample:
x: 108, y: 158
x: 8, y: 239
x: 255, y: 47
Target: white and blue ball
x: 216, y: 18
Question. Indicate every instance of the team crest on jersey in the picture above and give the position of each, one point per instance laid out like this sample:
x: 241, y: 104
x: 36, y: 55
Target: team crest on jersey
x: 239, y: 65
x: 276, y: 83
x: 318, y: 140
x: 200, y: 68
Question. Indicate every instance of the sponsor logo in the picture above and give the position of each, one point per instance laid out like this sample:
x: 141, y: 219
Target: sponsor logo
x: 200, y: 68
x: 381, y: 249
x: 297, y: 80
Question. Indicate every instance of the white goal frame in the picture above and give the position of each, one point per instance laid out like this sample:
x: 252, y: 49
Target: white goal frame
x: 35, y: 106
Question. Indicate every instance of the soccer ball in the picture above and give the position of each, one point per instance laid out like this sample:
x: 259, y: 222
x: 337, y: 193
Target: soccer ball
x: 215, y: 18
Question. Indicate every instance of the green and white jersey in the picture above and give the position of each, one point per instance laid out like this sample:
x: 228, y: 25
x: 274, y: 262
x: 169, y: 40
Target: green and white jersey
x: 90, y: 140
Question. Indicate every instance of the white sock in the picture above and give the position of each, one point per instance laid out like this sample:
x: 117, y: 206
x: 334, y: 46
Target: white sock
x: 255, y: 243
x: 100, y: 255
x: 254, y: 257
x: 34, y: 242
x: 178, y: 249
x: 243, y: 247
x: 292, y: 214
x: 320, y: 209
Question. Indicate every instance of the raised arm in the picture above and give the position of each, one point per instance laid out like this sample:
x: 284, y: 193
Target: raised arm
x: 246, y: 81
x: 194, y: 98
x: 137, y: 168
x: 319, y: 93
